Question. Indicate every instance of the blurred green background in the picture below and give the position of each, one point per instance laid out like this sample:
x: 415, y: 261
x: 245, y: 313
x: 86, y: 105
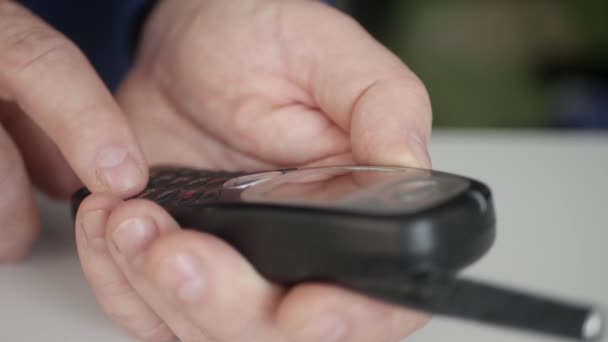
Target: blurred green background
x: 500, y: 63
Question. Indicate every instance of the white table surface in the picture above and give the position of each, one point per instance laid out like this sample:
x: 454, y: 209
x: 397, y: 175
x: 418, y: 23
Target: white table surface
x: 550, y: 191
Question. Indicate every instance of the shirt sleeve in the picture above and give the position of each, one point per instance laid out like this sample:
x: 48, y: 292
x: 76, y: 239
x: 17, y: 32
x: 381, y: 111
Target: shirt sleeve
x: 105, y: 30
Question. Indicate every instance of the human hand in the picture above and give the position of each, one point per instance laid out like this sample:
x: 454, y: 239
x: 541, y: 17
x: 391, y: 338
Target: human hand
x: 56, y: 116
x: 243, y: 86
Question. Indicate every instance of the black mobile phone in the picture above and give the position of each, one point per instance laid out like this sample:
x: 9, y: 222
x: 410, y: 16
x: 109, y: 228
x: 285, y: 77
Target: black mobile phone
x: 397, y: 234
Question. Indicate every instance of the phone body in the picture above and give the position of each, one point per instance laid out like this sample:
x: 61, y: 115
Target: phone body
x: 334, y: 222
x: 397, y: 234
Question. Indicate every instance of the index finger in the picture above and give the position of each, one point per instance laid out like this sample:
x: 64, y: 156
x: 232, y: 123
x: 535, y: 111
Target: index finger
x: 52, y: 81
x: 360, y: 85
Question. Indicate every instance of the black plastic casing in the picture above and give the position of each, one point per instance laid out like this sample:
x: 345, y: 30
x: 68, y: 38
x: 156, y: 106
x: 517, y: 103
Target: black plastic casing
x: 289, y: 244
x: 404, y: 255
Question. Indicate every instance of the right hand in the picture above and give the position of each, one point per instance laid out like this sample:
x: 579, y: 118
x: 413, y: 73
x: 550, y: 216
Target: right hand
x: 248, y: 85
x: 59, y: 126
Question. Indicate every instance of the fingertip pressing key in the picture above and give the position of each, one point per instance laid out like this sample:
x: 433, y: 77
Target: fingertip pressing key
x: 118, y: 171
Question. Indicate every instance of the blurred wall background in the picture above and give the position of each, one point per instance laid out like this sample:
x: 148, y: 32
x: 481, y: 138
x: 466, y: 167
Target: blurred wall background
x: 498, y: 63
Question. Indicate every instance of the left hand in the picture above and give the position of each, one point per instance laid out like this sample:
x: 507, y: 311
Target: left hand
x: 247, y: 85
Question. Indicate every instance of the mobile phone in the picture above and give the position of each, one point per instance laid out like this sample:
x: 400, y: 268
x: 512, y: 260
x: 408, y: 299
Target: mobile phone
x: 397, y: 234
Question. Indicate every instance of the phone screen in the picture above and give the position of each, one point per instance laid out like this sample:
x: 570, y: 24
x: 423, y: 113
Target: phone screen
x: 383, y: 190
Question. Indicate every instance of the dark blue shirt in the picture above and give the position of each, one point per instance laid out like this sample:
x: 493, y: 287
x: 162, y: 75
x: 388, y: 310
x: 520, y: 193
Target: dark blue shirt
x: 104, y: 30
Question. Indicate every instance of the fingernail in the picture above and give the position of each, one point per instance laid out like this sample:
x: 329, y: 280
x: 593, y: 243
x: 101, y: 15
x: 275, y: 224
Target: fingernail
x: 93, y: 224
x: 182, y: 275
x: 419, y: 149
x: 327, y: 328
x: 133, y: 236
x: 117, y: 170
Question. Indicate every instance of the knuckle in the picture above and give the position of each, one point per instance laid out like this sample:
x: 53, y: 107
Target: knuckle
x: 79, y: 118
x: 28, y: 46
x: 410, y: 86
x: 418, y: 89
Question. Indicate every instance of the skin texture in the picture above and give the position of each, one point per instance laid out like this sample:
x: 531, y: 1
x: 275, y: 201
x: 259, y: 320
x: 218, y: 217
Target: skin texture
x: 248, y: 85
x: 219, y: 84
x: 60, y: 126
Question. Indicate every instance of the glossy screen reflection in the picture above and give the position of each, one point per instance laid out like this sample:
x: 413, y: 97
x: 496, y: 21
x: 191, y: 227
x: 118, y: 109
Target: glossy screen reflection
x: 384, y: 190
